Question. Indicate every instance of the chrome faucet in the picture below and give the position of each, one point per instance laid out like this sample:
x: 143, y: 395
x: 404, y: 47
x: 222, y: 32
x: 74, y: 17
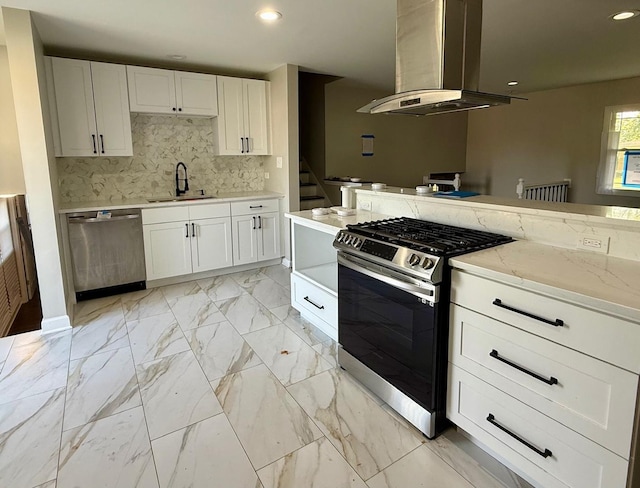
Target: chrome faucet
x: 185, y: 179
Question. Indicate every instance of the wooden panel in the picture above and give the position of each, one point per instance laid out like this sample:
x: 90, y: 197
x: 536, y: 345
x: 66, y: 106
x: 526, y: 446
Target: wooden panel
x: 12, y: 282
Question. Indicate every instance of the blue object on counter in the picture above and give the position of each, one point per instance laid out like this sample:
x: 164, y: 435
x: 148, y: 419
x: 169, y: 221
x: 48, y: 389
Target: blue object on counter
x: 455, y: 194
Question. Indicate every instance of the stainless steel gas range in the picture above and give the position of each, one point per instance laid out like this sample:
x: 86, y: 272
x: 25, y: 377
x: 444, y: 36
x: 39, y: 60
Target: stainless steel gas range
x: 393, y: 310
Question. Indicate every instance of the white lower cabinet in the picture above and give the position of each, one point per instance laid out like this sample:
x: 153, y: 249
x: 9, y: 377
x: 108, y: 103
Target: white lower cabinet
x: 528, y: 379
x: 546, y: 450
x: 256, y: 234
x: 186, y: 246
x: 256, y: 238
x: 316, y: 304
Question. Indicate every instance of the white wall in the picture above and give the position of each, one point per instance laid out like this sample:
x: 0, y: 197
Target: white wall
x: 556, y: 134
x: 284, y: 141
x: 405, y: 147
x: 11, y: 177
x: 26, y: 65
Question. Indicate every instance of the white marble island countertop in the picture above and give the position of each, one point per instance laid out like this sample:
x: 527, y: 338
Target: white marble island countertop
x: 332, y: 222
x: 220, y: 197
x: 593, y: 280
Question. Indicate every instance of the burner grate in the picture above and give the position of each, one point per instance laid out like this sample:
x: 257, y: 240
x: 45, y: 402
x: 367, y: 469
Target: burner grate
x: 428, y: 236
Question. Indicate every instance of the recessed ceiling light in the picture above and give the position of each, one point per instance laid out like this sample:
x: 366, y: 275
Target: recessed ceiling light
x: 269, y: 15
x: 177, y: 57
x: 627, y: 14
x: 512, y: 83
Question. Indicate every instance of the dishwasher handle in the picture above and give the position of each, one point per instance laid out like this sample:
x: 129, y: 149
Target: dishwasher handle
x: 89, y: 220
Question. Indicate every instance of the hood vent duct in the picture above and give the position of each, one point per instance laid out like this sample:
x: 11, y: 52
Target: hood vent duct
x: 437, y: 59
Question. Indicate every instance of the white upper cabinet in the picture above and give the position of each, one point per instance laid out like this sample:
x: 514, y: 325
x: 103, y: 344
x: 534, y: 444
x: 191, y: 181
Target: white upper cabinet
x: 243, y: 120
x: 92, y: 108
x: 161, y: 91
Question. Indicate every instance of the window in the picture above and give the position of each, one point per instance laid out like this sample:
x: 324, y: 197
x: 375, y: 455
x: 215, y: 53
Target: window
x: 619, y: 170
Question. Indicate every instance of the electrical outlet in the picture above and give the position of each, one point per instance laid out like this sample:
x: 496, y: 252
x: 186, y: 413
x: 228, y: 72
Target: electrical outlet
x: 365, y: 205
x: 594, y: 243
x: 279, y: 162
x: 266, y: 175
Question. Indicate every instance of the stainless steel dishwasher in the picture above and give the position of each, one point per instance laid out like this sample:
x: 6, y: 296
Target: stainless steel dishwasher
x: 107, y: 251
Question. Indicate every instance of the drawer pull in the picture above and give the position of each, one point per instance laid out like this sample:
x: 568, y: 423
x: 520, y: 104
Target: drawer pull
x: 255, y: 206
x: 320, y: 307
x: 550, y: 381
x: 545, y: 454
x: 556, y: 323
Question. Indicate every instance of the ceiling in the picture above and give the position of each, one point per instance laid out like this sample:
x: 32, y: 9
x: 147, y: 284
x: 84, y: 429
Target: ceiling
x: 541, y: 43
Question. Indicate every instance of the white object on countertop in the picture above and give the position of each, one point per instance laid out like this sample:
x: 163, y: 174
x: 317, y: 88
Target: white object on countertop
x: 343, y: 212
x: 422, y: 189
x: 348, y: 197
x: 356, y: 180
x: 378, y: 186
x: 320, y: 211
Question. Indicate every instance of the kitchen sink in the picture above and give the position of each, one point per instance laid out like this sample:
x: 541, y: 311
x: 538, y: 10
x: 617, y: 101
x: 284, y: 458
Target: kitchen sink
x: 183, y: 198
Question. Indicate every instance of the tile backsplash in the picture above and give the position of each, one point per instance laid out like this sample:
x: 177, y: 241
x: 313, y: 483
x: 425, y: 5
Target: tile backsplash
x: 159, y: 142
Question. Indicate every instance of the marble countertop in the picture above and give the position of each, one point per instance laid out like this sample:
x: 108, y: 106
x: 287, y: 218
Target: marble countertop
x: 620, y: 216
x: 332, y: 223
x: 597, y: 281
x: 144, y: 203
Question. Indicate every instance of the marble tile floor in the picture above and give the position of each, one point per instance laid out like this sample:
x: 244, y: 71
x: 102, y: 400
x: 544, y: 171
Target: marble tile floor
x: 215, y: 383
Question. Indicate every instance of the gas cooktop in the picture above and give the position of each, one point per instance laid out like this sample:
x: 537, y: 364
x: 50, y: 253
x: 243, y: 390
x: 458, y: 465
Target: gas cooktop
x: 416, y: 247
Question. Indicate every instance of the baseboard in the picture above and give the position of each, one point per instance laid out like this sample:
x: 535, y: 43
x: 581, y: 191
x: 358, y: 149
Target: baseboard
x: 54, y: 324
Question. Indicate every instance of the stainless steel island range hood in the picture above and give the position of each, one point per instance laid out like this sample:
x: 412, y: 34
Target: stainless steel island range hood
x: 437, y: 59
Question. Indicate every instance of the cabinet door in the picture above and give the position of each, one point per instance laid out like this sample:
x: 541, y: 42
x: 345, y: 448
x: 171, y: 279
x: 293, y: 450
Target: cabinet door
x: 230, y: 116
x: 167, y: 249
x: 211, y: 244
x: 245, y: 248
x: 112, y: 109
x: 196, y: 94
x: 256, y: 116
x: 151, y: 90
x: 76, y: 112
x: 268, y: 236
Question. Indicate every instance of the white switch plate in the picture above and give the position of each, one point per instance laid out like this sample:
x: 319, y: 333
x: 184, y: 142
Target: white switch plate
x: 266, y: 175
x: 594, y: 243
x: 279, y: 162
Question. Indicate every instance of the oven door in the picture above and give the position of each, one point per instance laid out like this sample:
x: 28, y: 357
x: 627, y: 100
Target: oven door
x: 388, y: 322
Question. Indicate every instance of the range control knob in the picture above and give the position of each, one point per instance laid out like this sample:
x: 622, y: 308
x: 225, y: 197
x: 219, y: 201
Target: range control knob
x: 356, y: 242
x: 340, y: 237
x: 427, y: 263
x: 413, y: 259
x: 348, y: 240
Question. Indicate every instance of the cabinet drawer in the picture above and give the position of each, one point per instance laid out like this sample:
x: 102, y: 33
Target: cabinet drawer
x: 255, y: 207
x: 574, y: 460
x: 587, y: 395
x: 209, y: 211
x: 165, y: 214
x: 309, y: 297
x: 599, y: 335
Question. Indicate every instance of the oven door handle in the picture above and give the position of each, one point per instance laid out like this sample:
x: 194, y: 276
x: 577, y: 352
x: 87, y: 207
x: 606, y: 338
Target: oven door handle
x: 428, y: 294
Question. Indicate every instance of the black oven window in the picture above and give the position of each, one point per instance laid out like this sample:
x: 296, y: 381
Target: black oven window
x: 390, y: 331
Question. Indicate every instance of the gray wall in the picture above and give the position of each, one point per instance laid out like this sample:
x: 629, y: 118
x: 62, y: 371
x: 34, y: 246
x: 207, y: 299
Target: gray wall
x: 556, y: 134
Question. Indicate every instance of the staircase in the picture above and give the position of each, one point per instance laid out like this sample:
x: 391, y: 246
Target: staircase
x: 311, y: 193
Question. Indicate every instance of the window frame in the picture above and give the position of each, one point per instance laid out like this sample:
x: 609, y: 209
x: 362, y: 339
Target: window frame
x: 608, y: 154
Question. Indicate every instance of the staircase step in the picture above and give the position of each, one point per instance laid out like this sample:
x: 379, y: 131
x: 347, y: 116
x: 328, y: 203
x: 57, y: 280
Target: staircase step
x: 312, y: 197
x: 308, y: 184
